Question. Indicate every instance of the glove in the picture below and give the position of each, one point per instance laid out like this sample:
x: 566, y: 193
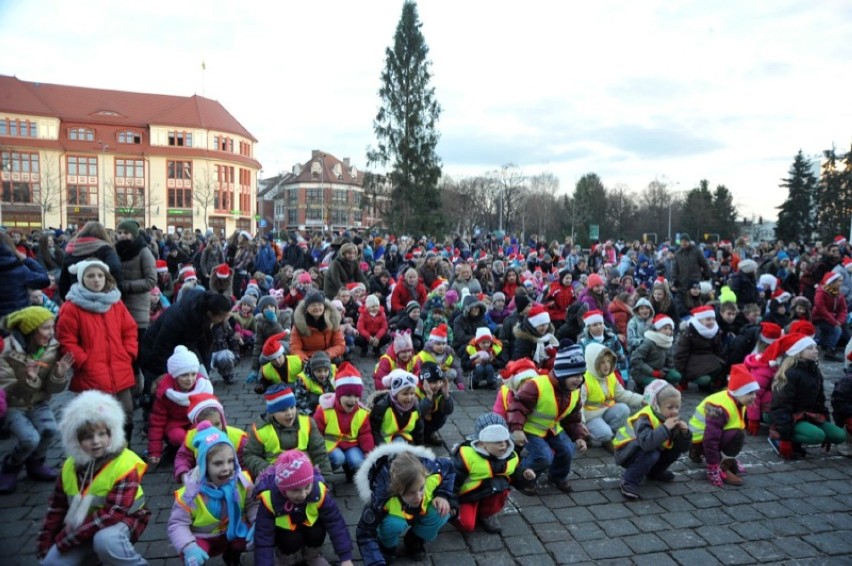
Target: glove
x: 753, y: 428
x: 194, y: 555
x: 252, y: 377
x: 460, y: 386
x: 785, y: 448
x: 657, y: 373
x: 714, y: 475
x: 551, y: 351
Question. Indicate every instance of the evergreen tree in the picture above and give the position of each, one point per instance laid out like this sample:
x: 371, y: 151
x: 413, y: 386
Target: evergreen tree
x: 405, y: 129
x: 835, y: 201
x: 696, y: 217
x: 724, y: 213
x: 797, y: 219
x: 590, y: 207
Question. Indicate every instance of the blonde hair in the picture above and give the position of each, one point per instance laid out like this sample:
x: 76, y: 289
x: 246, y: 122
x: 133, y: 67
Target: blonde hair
x: 405, y: 469
x: 604, y: 355
x: 780, y: 380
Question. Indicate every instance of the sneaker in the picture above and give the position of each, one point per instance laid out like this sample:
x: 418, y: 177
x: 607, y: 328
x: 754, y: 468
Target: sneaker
x: 775, y: 444
x: 563, y: 485
x: 664, y: 476
x: 492, y: 525
x: 608, y: 446
x: 629, y: 491
x: 530, y: 489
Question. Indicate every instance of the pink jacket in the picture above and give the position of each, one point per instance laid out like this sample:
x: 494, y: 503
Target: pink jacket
x: 763, y: 374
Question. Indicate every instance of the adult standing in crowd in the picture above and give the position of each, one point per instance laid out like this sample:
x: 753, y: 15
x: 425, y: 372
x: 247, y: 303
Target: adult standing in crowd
x: 689, y: 265
x: 90, y: 242
x: 18, y: 274
x: 342, y: 270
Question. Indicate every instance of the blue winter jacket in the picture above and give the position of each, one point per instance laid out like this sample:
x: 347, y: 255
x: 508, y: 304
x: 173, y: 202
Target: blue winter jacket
x: 17, y: 278
x: 265, y: 260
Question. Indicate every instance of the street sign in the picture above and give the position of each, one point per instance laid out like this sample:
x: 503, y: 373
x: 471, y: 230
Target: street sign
x: 594, y: 231
x: 262, y: 223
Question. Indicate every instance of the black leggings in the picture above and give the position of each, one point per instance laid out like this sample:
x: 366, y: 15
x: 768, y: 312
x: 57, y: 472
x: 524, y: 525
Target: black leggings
x: 291, y: 542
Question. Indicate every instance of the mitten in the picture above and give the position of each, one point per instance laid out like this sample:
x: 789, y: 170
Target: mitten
x: 753, y: 428
x: 714, y: 475
x: 551, y: 351
x: 785, y: 449
x: 657, y: 373
x: 252, y: 377
x: 460, y: 386
x: 194, y: 555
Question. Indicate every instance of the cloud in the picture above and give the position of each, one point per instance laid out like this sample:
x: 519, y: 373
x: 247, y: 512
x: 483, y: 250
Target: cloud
x: 655, y: 142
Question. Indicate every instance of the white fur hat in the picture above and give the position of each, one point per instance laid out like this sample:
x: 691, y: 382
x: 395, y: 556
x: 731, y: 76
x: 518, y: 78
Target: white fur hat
x: 79, y: 268
x: 91, y: 407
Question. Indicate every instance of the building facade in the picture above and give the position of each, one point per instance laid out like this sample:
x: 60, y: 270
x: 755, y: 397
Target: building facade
x: 69, y: 155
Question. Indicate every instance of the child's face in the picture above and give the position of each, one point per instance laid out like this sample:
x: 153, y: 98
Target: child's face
x: 94, y: 280
x: 221, y: 464
x: 405, y: 355
x: 752, y: 316
x: 434, y: 386
x: 36, y: 297
x: 800, y: 310
x: 658, y: 295
x: 644, y: 312
x: 44, y: 333
x: 567, y: 279
x: 498, y: 304
x: 495, y: 449
x: 667, y: 330
x: 728, y: 315
x: 605, y: 366
x: 596, y: 329
x: 94, y: 443
x: 782, y: 309
x: 349, y: 402
x: 411, y: 278
x: 246, y: 310
x: 279, y: 361
x: 707, y: 322
x: 213, y: 417
x: 415, y: 314
x: 438, y: 347
x: 542, y: 328
x: 810, y: 354
x: 186, y: 380
x: 344, y: 296
x: 286, y: 417
x: 373, y: 310
x: 670, y: 407
x: 406, y: 398
x: 485, y: 344
x: 298, y: 496
x: 413, y: 496
x: 746, y: 400
x: 321, y: 373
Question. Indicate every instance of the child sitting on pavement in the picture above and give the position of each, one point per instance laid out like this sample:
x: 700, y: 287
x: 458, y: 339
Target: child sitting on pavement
x: 484, y: 357
x: 275, y: 365
x: 314, y: 381
x: 400, y: 354
x: 653, y: 359
x: 436, y: 404
x: 437, y: 350
x: 699, y: 353
x: 394, y: 414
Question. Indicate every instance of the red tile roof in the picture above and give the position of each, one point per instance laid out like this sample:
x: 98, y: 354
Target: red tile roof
x: 93, y: 105
x: 328, y: 161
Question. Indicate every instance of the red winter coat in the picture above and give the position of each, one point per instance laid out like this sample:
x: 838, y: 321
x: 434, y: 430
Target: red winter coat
x: 401, y: 296
x: 372, y: 326
x: 828, y: 308
x: 104, y: 347
x: 559, y: 298
x: 167, y: 414
x: 621, y: 314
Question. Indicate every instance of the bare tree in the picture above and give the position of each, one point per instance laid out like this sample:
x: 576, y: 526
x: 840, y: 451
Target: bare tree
x: 467, y: 203
x: 50, y: 186
x: 621, y: 211
x: 204, y: 189
x: 509, y: 186
x: 540, y: 206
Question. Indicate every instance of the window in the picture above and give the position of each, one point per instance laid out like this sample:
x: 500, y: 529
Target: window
x: 81, y: 134
x: 19, y: 128
x: 179, y: 184
x: 82, y: 179
x: 339, y: 217
x: 313, y: 197
x: 245, y: 191
x: 180, y: 139
x: 130, y: 168
x: 292, y: 197
x: 337, y: 170
x: 224, y: 197
x: 129, y: 136
x: 339, y: 198
x: 313, y: 214
x: 83, y: 195
x: 83, y: 166
x: 223, y: 143
x: 292, y: 216
x: 245, y: 149
x: 129, y: 198
x: 20, y: 177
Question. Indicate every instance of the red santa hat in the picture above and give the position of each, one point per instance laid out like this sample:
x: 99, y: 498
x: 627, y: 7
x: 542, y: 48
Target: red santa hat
x: 725, y: 243
x: 803, y: 327
x: 781, y: 295
x: 162, y: 266
x: 788, y: 345
x: 829, y: 278
x: 438, y: 283
x: 595, y: 280
x: 703, y: 312
x: 483, y: 333
x: 741, y: 382
x: 538, y: 315
x: 593, y: 317
x: 200, y: 402
x: 417, y: 252
x: 352, y: 287
x: 840, y: 240
x: 439, y: 334
x: 769, y: 332
x: 348, y: 381
x: 273, y: 347
x: 482, y: 255
x: 187, y: 273
x: 223, y: 271
x: 517, y: 371
x: 456, y: 252
x: 661, y: 320
x: 847, y: 263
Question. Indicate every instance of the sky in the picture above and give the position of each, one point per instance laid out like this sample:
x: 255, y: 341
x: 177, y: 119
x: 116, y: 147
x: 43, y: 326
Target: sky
x: 727, y: 91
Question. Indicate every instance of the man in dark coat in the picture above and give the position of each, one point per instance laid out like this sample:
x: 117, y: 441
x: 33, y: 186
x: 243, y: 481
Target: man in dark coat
x: 689, y: 265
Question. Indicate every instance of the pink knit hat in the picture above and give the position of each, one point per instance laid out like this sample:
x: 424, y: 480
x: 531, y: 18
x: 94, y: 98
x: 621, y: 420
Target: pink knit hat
x: 293, y: 470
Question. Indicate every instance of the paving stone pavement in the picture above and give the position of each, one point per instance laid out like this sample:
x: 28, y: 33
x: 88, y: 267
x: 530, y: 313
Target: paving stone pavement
x: 787, y: 512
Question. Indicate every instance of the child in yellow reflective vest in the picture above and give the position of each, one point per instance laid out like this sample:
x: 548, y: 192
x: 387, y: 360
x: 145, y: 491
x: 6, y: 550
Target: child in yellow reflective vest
x: 394, y: 413
x: 215, y: 509
x: 514, y: 375
x: 344, y: 423
x: 314, y: 381
x: 406, y: 491
x: 97, y: 509
x: 718, y: 426
x: 296, y: 512
x: 484, y: 357
x: 280, y: 429
x: 485, y: 468
x: 436, y: 404
x: 275, y: 365
x: 206, y: 407
x: 652, y: 440
x: 399, y: 355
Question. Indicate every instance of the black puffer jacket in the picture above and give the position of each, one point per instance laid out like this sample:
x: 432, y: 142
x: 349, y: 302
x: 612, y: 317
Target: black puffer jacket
x: 801, y: 398
x: 841, y: 400
x: 185, y: 322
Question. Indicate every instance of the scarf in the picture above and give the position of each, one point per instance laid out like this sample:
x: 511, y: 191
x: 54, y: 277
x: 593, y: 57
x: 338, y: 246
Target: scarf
x: 661, y: 340
x: 541, y: 345
x: 80, y: 504
x: 708, y: 333
x: 226, y: 498
x: 129, y: 249
x: 181, y: 398
x: 90, y: 301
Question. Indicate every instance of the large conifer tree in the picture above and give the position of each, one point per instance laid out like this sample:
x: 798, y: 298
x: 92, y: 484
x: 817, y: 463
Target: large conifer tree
x: 797, y: 219
x: 406, y: 133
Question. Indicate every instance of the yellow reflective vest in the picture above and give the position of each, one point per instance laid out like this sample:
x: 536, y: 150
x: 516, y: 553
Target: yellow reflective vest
x: 544, y: 417
x: 479, y: 468
x: 391, y: 428
x: 204, y: 522
x: 106, y: 478
x: 267, y: 436
x: 496, y: 349
x: 311, y: 510
x: 423, y: 356
x: 596, y: 398
x: 628, y: 434
x: 235, y: 435
x: 334, y: 436
x: 409, y: 367
x: 396, y: 507
x: 723, y: 399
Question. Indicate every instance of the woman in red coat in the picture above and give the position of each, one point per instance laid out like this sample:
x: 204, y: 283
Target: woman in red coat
x: 408, y: 289
x: 96, y: 327
x: 559, y: 297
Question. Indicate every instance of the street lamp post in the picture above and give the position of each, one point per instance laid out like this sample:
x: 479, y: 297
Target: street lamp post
x: 670, y: 210
x: 104, y: 148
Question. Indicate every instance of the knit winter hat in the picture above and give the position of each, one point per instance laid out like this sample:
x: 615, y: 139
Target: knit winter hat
x: 266, y: 301
x: 223, y: 271
x: 249, y: 300
x: 200, y: 402
x: 803, y: 327
x: 769, y: 332
x: 371, y: 301
x: 182, y: 361
x: 314, y: 297
x: 79, y: 269
x: 206, y: 437
x: 569, y: 361
x: 661, y: 321
x: 293, y: 470
x: 840, y: 240
x: 28, y: 319
x: 518, y: 371
x: 522, y: 300
x: 485, y: 420
x: 430, y: 371
x: 483, y: 333
x: 741, y: 382
x: 411, y: 306
x: 451, y: 298
x: 348, y: 381
x: 829, y: 278
x: 594, y: 280
x: 279, y: 398
x: 494, y: 433
x: 593, y: 317
x: 273, y: 348
x: 538, y: 315
x: 399, y: 379
x: 703, y: 312
x: 781, y: 296
x: 439, y: 333
x: 319, y: 360
x: 304, y: 278
x: 130, y: 226
x: 402, y: 342
x: 748, y: 266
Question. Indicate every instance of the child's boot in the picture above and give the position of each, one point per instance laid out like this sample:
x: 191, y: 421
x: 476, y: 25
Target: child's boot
x: 37, y: 470
x: 312, y: 555
x: 696, y: 452
x: 846, y: 449
x: 9, y: 477
x: 729, y: 472
x: 415, y: 546
x: 232, y: 557
x: 492, y: 525
x: 389, y: 554
x: 282, y: 559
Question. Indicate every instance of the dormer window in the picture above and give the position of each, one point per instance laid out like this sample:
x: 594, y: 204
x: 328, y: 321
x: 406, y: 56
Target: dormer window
x: 81, y: 134
x: 353, y: 173
x: 316, y: 169
x: 129, y: 136
x: 337, y: 170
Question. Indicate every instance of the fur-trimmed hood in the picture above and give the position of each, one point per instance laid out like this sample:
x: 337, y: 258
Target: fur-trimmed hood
x: 332, y: 318
x: 92, y: 407
x: 385, y: 452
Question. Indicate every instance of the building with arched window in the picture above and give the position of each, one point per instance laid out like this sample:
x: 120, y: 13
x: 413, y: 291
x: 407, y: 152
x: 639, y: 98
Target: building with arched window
x: 71, y: 154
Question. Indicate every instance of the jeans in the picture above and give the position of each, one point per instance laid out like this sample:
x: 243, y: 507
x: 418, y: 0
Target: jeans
x: 35, y: 430
x: 483, y: 372
x: 648, y: 463
x: 829, y: 336
x: 425, y: 526
x: 110, y: 545
x: 551, y: 453
x: 602, y: 429
x: 352, y: 457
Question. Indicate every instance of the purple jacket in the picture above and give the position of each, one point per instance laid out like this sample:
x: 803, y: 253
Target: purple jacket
x: 589, y: 299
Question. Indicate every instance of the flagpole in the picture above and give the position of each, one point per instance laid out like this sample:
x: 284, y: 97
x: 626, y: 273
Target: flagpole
x: 203, y: 68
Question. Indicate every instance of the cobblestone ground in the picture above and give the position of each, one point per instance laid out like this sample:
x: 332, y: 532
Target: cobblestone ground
x: 787, y: 512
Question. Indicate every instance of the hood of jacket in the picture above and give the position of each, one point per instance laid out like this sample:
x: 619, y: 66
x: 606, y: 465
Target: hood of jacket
x: 332, y: 318
x: 386, y: 452
x: 592, y: 353
x: 89, y: 407
x: 643, y: 302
